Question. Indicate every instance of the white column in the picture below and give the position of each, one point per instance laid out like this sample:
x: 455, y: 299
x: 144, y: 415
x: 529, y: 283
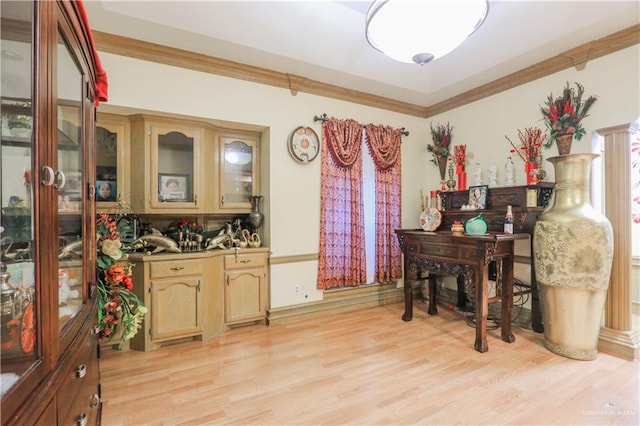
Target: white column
x: 618, y: 336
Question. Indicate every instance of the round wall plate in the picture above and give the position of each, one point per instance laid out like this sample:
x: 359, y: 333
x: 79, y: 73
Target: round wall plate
x: 304, y: 145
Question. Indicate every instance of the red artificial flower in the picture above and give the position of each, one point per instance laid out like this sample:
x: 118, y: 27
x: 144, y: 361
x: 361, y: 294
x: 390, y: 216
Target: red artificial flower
x: 110, y: 307
x: 127, y: 282
x: 114, y: 274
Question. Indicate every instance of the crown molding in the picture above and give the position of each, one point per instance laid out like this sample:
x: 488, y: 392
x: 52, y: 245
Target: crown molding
x: 576, y: 57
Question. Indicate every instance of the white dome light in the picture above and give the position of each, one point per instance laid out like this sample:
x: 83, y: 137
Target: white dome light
x: 421, y: 31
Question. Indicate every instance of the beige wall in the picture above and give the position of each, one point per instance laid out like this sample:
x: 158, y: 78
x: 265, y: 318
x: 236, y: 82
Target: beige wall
x: 292, y: 200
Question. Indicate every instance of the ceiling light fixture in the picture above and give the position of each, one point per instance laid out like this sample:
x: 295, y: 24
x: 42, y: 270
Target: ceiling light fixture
x: 421, y: 31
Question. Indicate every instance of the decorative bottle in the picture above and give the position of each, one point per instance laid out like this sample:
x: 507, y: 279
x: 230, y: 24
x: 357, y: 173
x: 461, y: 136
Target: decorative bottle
x: 508, y: 221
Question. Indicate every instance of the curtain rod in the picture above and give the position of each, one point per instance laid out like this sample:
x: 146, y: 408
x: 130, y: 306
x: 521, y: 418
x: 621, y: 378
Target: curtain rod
x: 324, y: 117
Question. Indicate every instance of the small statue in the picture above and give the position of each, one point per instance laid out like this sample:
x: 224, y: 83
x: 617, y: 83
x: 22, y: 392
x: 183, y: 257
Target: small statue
x: 493, y: 174
x: 508, y: 173
x: 477, y: 175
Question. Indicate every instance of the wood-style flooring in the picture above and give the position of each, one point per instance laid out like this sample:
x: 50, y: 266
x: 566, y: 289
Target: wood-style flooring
x: 366, y: 367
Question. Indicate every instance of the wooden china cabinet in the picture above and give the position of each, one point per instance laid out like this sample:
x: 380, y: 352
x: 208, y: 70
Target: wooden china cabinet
x: 49, y: 352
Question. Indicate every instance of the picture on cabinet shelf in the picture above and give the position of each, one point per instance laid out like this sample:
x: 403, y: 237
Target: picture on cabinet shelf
x: 173, y: 187
x: 478, y: 196
x: 107, y: 190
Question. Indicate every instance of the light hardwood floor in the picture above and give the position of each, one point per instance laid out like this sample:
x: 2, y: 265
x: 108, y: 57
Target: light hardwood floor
x: 363, y: 368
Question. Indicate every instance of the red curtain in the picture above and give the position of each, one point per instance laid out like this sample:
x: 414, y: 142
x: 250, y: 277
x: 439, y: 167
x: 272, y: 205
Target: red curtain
x: 342, y: 256
x: 384, y: 145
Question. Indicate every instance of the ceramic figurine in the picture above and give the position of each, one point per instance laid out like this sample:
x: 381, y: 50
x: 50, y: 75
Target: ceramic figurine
x: 508, y: 173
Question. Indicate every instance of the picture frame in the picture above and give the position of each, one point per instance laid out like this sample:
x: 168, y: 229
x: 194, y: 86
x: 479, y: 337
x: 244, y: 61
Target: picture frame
x: 106, y: 190
x: 478, y: 196
x: 173, y: 187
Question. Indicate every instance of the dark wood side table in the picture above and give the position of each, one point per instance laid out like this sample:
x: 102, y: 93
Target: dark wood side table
x: 525, y: 216
x: 442, y: 253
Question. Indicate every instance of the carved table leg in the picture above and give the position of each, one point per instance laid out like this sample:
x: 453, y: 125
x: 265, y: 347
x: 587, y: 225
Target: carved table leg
x: 507, y: 298
x: 482, y: 306
x: 409, y: 273
x: 433, y: 295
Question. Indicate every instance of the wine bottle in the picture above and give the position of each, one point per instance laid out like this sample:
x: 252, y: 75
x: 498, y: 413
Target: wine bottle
x: 508, y: 221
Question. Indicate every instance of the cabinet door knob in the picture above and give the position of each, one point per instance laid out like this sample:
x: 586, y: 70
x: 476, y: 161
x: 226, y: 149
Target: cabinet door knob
x: 95, y: 400
x: 50, y: 176
x: 245, y: 261
x: 177, y: 268
x: 82, y: 419
x: 92, y: 191
x: 81, y: 371
x: 61, y: 178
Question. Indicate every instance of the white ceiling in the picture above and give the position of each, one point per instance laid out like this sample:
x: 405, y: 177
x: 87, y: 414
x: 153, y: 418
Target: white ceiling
x: 325, y: 40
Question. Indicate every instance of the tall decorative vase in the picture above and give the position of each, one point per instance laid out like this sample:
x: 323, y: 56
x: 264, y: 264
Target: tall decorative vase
x: 256, y: 218
x: 564, y: 141
x: 573, y: 253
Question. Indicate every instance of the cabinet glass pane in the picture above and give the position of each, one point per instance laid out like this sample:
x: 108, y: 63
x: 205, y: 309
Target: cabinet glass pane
x: 237, y: 172
x: 18, y: 349
x: 106, y: 164
x: 175, y: 167
x: 70, y: 185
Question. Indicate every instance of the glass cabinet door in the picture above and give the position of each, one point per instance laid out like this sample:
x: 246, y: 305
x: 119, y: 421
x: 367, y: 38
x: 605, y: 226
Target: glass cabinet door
x: 112, y: 177
x: 175, y: 152
x: 19, y: 348
x: 69, y: 181
x: 237, y: 172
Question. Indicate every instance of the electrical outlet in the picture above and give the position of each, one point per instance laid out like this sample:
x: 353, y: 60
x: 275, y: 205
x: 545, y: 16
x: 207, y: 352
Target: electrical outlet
x: 297, y: 289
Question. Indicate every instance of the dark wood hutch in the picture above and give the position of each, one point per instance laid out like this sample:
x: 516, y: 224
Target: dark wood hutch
x: 49, y: 353
x: 527, y: 202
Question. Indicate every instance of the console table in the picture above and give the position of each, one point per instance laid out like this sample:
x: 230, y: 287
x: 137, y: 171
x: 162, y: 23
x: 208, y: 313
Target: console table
x: 467, y: 256
x: 527, y: 201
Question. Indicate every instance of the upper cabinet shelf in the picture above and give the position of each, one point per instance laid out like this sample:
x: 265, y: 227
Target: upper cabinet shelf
x: 181, y: 166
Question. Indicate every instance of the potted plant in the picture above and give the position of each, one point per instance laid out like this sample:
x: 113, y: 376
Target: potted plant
x: 563, y: 116
x: 441, y: 136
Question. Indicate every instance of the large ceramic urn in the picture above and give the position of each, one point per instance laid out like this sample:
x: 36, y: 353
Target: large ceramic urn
x: 573, y: 253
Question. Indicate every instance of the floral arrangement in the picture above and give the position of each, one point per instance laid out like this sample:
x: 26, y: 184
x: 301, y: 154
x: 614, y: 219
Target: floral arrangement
x: 530, y: 142
x: 119, y: 308
x: 564, y: 113
x: 185, y: 225
x: 441, y: 136
x: 460, y: 152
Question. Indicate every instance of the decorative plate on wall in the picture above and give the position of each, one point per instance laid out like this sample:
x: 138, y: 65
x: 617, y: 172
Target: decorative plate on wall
x: 304, y: 144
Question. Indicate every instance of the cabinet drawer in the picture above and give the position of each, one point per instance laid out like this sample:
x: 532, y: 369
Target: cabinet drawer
x: 246, y: 260
x: 174, y: 268
x: 84, y: 369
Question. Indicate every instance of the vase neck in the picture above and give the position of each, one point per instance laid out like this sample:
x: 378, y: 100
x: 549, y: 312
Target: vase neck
x: 573, y: 179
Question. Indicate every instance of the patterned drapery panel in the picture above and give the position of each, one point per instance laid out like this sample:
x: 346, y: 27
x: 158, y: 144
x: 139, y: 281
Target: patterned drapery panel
x: 384, y: 145
x: 342, y: 259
